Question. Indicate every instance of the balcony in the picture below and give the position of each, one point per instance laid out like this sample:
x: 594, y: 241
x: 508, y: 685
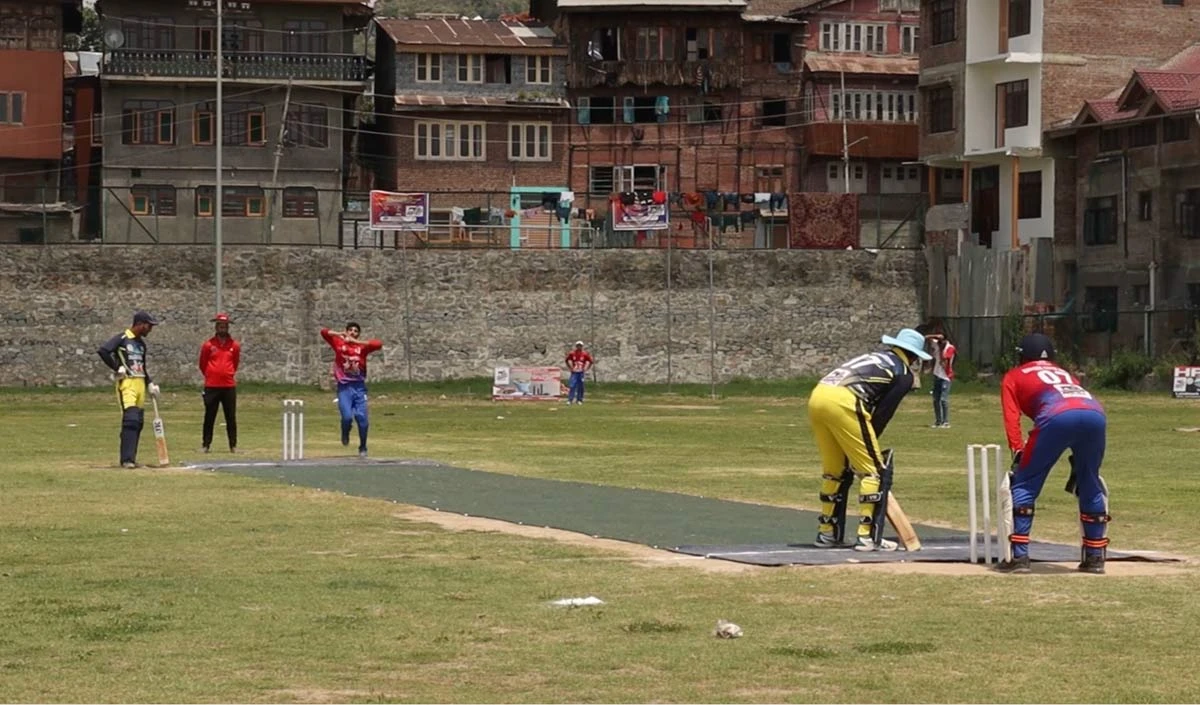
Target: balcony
x: 239, y: 66
x: 710, y: 74
x: 883, y: 140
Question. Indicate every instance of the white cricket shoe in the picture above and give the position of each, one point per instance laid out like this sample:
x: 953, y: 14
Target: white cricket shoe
x: 865, y: 545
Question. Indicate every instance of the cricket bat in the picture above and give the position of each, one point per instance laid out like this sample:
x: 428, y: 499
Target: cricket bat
x: 904, y: 528
x: 160, y: 437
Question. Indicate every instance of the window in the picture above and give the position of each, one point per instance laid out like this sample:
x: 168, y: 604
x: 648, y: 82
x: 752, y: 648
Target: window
x: 306, y: 37
x: 537, y: 69
x: 1029, y: 195
x: 597, y: 110
x: 44, y: 34
x: 236, y: 201
x: 641, y: 177
x: 774, y: 112
x: 1013, y: 98
x: 701, y: 111
x: 939, y: 107
x: 836, y: 180
x: 1110, y: 140
x: 910, y: 36
x: 781, y: 48
x: 202, y: 127
x: 12, y: 108
x: 149, y: 33
x: 13, y: 33
x: 529, y: 141
x: 1100, y: 221
x: 654, y: 44
x: 245, y: 35
x: 1176, y: 3
x: 643, y: 109
x: 299, y: 202
x: 600, y: 180
x: 97, y: 129
x: 1177, y: 129
x: 887, y: 106
x: 429, y: 68
x: 1103, y: 303
x: 1019, y: 17
x: 307, y: 125
x: 847, y: 36
x: 147, y: 122
x: 449, y: 140
x: 942, y: 22
x: 152, y: 200
x: 901, y: 5
x: 769, y: 179
x: 1145, y: 205
x: 702, y: 43
x: 244, y: 124
x: 1187, y: 214
x: 605, y: 44
x: 470, y: 68
x: 1144, y: 134
x: 899, y: 178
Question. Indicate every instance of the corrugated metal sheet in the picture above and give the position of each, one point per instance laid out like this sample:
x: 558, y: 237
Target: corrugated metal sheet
x: 494, y: 34
x: 826, y: 62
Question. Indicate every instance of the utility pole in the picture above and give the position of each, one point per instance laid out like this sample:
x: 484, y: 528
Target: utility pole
x: 218, y: 204
x: 287, y: 101
x: 845, y: 138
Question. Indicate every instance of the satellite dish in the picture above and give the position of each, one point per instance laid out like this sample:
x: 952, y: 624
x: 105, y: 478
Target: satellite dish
x: 114, y: 38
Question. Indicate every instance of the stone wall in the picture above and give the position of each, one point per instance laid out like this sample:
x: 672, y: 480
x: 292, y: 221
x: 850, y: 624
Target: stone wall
x: 777, y: 313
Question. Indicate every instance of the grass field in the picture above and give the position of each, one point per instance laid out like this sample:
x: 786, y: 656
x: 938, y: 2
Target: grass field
x: 184, y: 586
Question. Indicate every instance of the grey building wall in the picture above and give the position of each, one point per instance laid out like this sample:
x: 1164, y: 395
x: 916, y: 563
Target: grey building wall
x: 777, y: 313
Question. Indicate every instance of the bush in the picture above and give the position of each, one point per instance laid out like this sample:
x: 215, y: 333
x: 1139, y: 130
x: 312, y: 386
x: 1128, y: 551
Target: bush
x: 1125, y: 370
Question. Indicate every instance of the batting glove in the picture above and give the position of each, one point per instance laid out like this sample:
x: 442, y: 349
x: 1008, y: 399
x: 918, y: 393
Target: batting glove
x: 153, y: 389
x: 121, y: 372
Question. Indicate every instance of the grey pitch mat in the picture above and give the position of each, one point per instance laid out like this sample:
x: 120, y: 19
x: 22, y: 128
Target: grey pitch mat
x: 954, y: 549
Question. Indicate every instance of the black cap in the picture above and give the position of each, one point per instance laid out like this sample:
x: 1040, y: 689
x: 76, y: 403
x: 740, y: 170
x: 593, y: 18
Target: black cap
x: 143, y: 317
x: 1036, y: 346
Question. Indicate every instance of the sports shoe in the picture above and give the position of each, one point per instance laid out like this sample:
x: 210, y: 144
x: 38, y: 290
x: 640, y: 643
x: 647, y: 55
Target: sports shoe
x: 865, y: 544
x: 1019, y: 564
x: 1092, y: 564
x: 362, y: 454
x: 935, y: 425
x: 233, y: 450
x: 345, y: 439
x: 128, y: 465
x: 825, y: 540
x: 945, y: 425
x: 203, y: 449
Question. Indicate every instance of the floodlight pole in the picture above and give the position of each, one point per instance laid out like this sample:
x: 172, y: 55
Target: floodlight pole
x: 218, y: 204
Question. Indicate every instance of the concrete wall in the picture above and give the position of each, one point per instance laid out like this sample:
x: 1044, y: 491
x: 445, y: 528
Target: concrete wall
x: 778, y: 314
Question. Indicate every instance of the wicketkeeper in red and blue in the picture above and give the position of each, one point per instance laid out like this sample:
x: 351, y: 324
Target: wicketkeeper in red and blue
x: 350, y: 372
x: 1065, y: 417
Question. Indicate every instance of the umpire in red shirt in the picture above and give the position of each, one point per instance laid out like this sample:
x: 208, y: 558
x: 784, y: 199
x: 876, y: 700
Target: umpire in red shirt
x: 219, y: 358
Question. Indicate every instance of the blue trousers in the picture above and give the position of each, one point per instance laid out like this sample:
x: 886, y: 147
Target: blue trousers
x: 575, y: 387
x: 941, y: 400
x: 352, y: 405
x: 1083, y: 432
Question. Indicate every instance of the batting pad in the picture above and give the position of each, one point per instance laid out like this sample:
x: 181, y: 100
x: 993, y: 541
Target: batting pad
x: 744, y: 532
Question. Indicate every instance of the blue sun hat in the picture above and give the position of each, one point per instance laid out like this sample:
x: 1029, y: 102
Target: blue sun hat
x: 910, y: 340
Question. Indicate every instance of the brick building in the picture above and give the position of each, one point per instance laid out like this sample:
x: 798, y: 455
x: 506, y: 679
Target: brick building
x: 293, y: 73
x: 33, y: 111
x: 1131, y: 240
x: 870, y: 48
x: 994, y: 74
x: 679, y: 95
x: 476, y: 115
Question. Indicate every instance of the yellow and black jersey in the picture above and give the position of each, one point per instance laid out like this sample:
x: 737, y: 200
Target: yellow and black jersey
x: 126, y: 350
x: 879, y: 380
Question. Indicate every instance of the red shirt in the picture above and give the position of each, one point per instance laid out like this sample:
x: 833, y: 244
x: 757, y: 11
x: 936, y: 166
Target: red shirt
x: 219, y: 359
x: 350, y: 358
x: 578, y: 360
x: 1039, y: 389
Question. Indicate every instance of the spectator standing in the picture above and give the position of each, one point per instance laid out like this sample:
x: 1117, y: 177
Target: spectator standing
x: 220, y: 356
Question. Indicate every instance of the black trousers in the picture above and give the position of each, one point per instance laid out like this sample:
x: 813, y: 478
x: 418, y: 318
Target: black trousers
x: 226, y: 398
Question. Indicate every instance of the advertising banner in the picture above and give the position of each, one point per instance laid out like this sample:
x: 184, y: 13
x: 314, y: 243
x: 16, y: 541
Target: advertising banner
x: 399, y: 211
x: 1187, y: 383
x: 528, y: 384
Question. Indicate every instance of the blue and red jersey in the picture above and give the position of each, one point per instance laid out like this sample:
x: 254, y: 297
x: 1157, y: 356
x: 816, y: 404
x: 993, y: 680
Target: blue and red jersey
x: 350, y: 356
x: 578, y: 360
x: 1040, y: 390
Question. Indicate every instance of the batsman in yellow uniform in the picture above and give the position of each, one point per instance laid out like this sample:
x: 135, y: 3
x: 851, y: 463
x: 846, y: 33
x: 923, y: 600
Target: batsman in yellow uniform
x: 848, y: 410
x: 125, y: 355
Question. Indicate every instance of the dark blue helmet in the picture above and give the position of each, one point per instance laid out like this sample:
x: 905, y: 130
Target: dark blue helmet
x: 1036, y: 346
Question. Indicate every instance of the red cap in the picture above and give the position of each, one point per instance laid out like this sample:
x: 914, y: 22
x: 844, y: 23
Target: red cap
x: 221, y: 318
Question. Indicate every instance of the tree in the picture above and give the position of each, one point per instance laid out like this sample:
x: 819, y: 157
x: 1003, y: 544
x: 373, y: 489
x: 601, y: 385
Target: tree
x: 92, y: 36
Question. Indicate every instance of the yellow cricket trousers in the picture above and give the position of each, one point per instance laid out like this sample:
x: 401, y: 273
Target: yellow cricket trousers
x: 842, y: 431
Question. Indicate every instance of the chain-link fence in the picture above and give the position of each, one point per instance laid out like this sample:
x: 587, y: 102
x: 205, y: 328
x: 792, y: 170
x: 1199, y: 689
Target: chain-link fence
x: 1164, y: 336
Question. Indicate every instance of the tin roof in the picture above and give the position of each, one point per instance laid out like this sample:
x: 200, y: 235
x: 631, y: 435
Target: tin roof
x: 493, y: 34
x: 445, y: 101
x: 826, y: 62
x: 772, y: 7
x: 1172, y: 87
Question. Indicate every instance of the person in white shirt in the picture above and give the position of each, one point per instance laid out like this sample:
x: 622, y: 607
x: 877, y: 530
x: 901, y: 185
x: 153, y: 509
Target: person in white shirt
x: 943, y: 374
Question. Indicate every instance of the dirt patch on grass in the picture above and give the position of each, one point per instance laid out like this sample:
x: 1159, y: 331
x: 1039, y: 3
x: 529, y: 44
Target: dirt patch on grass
x: 652, y: 557
x: 695, y: 407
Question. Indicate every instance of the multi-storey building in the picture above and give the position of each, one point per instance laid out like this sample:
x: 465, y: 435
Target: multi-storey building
x: 860, y: 96
x: 679, y: 95
x: 478, y: 117
x: 32, y: 110
x: 996, y: 73
x: 1129, y: 235
x: 293, y: 73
